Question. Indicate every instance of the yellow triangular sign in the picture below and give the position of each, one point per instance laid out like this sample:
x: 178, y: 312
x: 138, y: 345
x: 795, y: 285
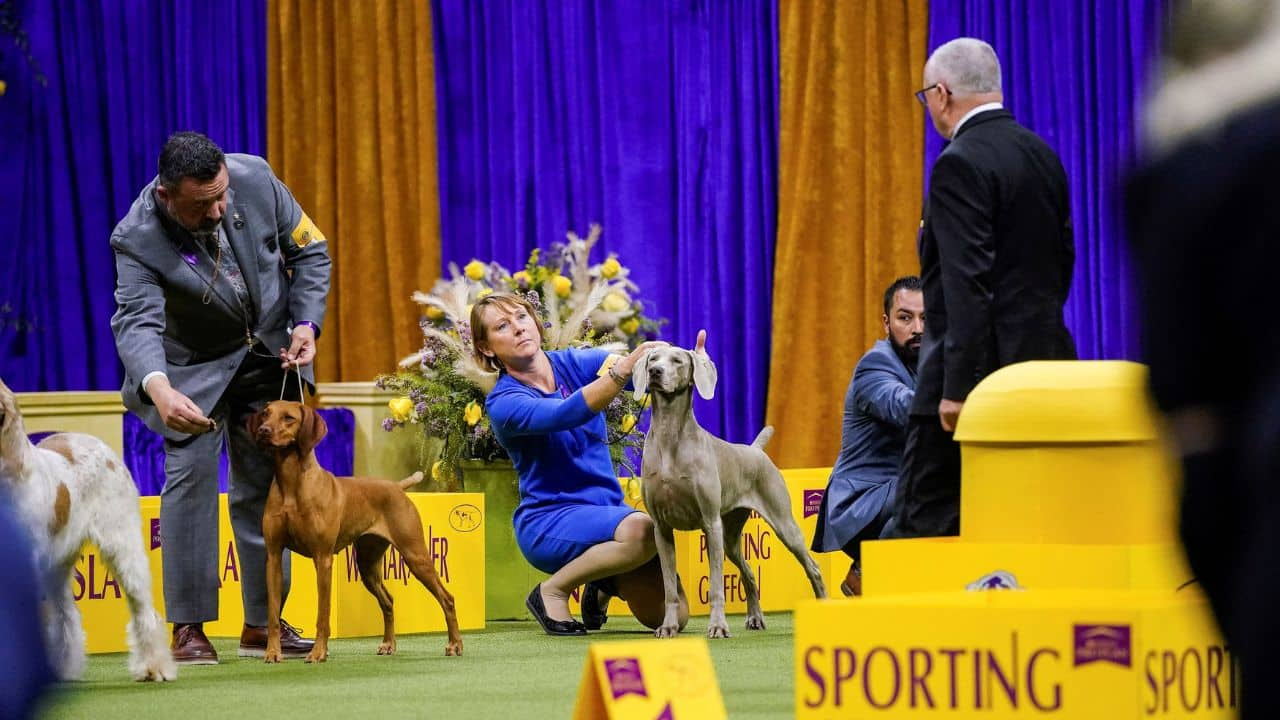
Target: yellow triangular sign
x: 649, y: 680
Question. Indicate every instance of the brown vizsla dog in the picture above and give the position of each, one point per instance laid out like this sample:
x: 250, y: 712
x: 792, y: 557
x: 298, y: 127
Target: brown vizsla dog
x: 315, y: 514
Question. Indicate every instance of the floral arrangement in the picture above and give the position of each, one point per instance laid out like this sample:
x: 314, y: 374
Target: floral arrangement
x: 442, y: 388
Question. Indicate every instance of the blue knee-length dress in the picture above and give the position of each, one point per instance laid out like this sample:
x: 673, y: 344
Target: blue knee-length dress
x: 570, y: 498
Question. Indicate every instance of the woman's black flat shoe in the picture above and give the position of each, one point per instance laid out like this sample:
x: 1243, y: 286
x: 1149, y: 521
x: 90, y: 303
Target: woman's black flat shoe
x: 551, y: 627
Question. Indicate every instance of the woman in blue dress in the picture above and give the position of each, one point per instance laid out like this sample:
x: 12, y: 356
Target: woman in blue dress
x: 546, y: 410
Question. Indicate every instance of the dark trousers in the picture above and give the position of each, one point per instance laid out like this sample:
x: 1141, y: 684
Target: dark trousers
x: 927, y: 503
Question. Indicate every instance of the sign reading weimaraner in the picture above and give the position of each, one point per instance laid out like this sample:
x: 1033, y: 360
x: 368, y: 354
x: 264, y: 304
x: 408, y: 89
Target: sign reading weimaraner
x: 696, y: 481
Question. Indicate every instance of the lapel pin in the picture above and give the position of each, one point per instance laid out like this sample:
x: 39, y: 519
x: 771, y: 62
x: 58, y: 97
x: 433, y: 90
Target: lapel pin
x: 238, y: 221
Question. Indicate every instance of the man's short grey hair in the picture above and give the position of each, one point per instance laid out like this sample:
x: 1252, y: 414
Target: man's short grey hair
x: 967, y: 66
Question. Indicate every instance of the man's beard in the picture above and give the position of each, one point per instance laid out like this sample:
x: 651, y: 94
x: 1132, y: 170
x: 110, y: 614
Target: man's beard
x: 909, y: 352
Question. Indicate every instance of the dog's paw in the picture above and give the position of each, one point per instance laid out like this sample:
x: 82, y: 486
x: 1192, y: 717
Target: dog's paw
x: 387, y: 648
x: 755, y: 622
x: 453, y: 649
x: 667, y: 631
x: 271, y: 657
x: 718, y: 630
x: 317, y: 655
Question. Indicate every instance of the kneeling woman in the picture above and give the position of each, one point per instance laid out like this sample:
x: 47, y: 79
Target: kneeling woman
x: 546, y: 411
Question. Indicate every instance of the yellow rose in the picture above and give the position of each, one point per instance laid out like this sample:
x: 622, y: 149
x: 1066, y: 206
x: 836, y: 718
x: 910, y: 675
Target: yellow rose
x: 615, y: 302
x: 472, y: 413
x: 434, y: 313
x: 484, y: 293
x: 3, y: 86
x: 609, y: 268
x: 438, y: 470
x: 629, y: 326
x: 628, y: 422
x: 562, y: 285
x: 644, y: 401
x: 474, y: 270
x: 522, y: 279
x: 401, y: 409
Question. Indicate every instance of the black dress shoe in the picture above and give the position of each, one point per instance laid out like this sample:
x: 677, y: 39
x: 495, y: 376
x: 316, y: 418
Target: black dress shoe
x: 595, y: 613
x: 551, y: 627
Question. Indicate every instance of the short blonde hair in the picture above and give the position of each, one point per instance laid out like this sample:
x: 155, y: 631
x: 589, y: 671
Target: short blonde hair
x: 505, y: 302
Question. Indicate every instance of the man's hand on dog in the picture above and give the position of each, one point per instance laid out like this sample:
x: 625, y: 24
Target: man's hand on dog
x: 176, y: 409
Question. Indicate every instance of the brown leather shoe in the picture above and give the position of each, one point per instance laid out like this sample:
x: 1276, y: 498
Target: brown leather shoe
x: 852, y: 585
x: 253, y: 641
x: 191, y: 647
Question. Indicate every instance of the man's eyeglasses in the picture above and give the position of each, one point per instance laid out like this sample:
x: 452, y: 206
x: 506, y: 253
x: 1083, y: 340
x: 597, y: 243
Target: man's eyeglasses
x: 920, y: 93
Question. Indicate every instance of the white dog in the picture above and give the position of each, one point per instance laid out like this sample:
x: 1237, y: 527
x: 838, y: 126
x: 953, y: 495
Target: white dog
x: 69, y: 489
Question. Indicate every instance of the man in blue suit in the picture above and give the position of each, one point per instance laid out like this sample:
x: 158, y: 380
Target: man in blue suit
x: 857, y: 504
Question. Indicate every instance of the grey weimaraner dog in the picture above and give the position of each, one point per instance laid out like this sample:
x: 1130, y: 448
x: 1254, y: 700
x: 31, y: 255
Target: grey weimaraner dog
x: 694, y: 481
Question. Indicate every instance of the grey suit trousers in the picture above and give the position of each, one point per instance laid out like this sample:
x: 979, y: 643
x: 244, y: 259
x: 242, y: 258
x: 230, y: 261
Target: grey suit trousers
x: 195, y: 561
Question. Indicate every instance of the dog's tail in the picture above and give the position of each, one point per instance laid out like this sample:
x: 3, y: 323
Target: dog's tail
x: 410, y: 481
x: 763, y: 438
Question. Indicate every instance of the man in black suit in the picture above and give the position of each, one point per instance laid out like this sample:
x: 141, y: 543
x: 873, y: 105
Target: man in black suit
x: 996, y: 257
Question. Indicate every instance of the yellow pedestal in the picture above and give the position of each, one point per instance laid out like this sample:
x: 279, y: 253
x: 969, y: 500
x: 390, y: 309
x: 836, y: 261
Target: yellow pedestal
x: 97, y: 413
x: 378, y: 453
x: 1068, y: 497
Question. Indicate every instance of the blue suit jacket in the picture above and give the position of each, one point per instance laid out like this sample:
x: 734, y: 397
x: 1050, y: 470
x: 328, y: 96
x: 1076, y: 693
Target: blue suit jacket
x: 865, y: 474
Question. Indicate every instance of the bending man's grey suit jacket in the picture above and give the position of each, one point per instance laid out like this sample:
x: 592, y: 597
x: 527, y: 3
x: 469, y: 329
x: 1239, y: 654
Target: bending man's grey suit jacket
x: 865, y: 475
x: 176, y: 316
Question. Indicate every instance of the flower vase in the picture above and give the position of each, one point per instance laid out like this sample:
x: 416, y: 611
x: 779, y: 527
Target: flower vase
x: 508, y: 577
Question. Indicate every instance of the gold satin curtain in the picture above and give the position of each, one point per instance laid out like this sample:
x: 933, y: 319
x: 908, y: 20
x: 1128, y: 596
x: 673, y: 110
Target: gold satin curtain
x: 351, y: 131
x: 849, y: 203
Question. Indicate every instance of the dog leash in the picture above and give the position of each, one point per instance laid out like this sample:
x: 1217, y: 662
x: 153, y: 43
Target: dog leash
x: 284, y: 381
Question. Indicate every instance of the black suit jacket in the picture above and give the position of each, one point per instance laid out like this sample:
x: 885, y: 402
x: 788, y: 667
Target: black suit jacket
x: 996, y: 258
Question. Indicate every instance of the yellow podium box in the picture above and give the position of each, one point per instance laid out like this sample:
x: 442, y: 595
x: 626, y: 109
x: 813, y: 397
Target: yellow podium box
x: 1065, y: 654
x: 644, y: 680
x: 453, y: 525
x: 1060, y: 596
x: 93, y: 412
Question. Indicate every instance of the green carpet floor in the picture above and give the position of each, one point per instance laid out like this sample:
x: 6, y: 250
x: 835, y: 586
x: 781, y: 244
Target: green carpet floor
x: 510, y: 671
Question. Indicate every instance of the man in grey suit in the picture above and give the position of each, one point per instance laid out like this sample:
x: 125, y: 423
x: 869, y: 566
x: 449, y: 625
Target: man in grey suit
x: 221, y: 286
x: 857, y: 504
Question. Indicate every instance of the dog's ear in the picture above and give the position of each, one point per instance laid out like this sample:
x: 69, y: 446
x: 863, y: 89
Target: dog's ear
x: 311, y: 430
x: 640, y: 376
x: 704, y: 374
x: 254, y: 422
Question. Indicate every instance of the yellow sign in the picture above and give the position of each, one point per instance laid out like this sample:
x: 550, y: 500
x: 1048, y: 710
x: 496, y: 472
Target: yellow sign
x: 780, y: 577
x: 649, y: 680
x: 1011, y: 654
x: 453, y: 526
x: 102, y: 604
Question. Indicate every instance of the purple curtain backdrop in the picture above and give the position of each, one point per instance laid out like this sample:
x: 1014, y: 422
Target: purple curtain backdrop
x: 657, y: 119
x: 1075, y: 73
x: 75, y: 152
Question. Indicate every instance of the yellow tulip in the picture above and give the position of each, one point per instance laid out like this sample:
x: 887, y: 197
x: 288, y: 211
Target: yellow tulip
x: 474, y: 269
x: 609, y: 268
x: 484, y: 293
x: 401, y: 409
x: 644, y: 401
x: 628, y: 422
x: 438, y: 470
x: 472, y: 413
x: 629, y: 326
x: 434, y: 313
x: 562, y: 285
x: 615, y: 302
x: 522, y: 278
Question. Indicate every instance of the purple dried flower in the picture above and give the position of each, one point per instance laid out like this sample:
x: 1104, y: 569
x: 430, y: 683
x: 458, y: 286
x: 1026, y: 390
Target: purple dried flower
x: 534, y: 298
x: 420, y: 409
x: 464, y: 332
x: 381, y: 384
x: 388, y: 424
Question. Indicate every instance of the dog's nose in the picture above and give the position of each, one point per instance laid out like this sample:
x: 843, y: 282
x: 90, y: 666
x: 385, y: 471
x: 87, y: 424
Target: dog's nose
x: 264, y: 431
